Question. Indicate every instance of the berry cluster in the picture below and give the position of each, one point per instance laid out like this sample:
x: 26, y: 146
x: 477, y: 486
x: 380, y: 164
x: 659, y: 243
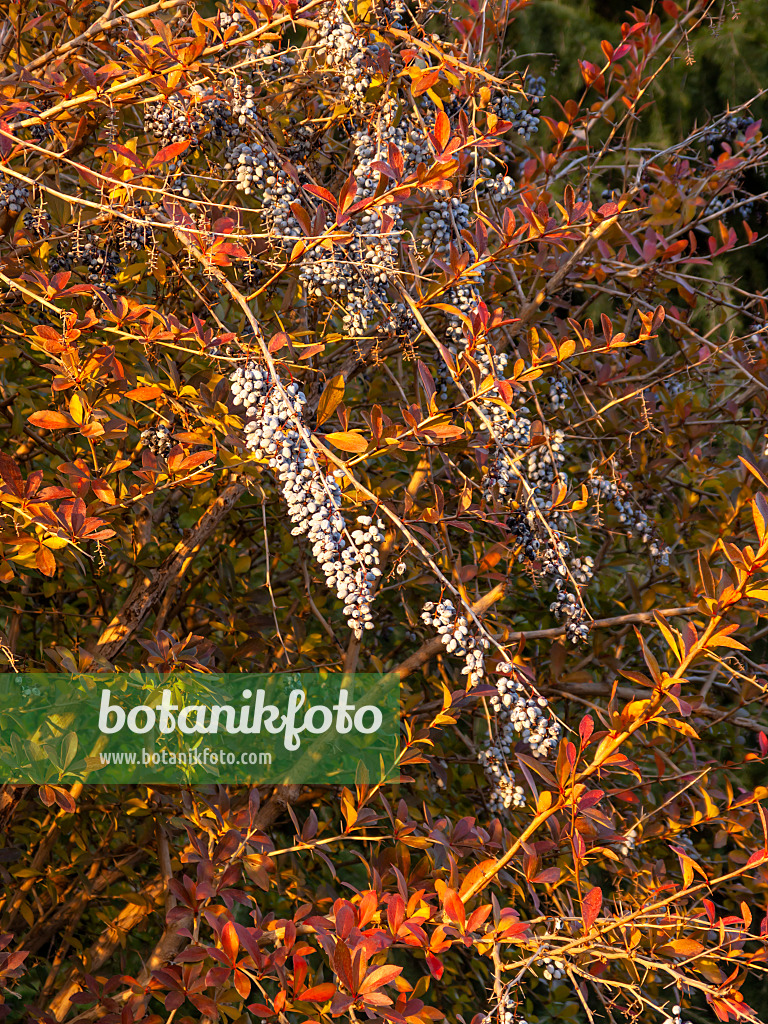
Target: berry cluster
x: 457, y: 636
x: 13, y: 195
x: 102, y: 264
x: 725, y: 132
x: 350, y: 562
x: 444, y: 223
x: 726, y: 204
x: 504, y: 793
x: 567, y: 607
x: 198, y: 116
x: 341, y: 50
x: 255, y: 168
x: 525, y: 121
x: 549, y: 547
x: 517, y: 718
x: 158, y: 439
x: 544, y: 462
x: 137, y: 235
x: 500, y: 187
x: 558, y: 395
x: 526, y: 716
x: 630, y: 516
x: 63, y: 259
x: 360, y: 271
x: 553, y: 970
x: 173, y: 121
x: 39, y: 133
x: 37, y: 223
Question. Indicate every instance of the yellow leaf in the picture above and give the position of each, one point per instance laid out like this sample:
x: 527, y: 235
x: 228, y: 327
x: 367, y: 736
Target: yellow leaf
x: 330, y: 398
x: 682, y: 947
x: 677, y: 725
x: 347, y: 440
x: 77, y: 409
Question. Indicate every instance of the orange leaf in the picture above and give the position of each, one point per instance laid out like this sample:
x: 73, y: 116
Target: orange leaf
x: 230, y: 942
x: 103, y: 491
x: 45, y: 561
x: 168, y: 153
x: 277, y: 341
x: 425, y: 81
x: 51, y: 420
x: 318, y: 993
x: 442, y: 129
x: 379, y: 977
x: 196, y: 459
x: 144, y: 391
x: 454, y: 908
x: 682, y: 947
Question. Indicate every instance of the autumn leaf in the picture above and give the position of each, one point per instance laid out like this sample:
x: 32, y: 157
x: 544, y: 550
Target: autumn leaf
x: 333, y: 393
x: 318, y: 993
x: 681, y: 947
x: 591, y: 906
x: 51, y: 420
x: 347, y: 441
x: 144, y: 392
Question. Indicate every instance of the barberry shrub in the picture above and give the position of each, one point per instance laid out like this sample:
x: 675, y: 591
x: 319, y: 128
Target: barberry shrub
x: 335, y: 335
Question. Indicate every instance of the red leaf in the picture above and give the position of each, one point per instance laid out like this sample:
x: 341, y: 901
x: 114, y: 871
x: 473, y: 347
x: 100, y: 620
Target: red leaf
x: 436, y: 967
x: 196, y: 459
x: 477, y: 917
x: 586, y: 727
x: 260, y: 1010
x: 11, y: 473
x: 550, y: 875
x: 103, y: 491
x: 205, y: 1005
x: 322, y: 193
x: 242, y: 984
x: 426, y: 81
x: 591, y: 906
x: 168, y: 153
x: 342, y: 964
